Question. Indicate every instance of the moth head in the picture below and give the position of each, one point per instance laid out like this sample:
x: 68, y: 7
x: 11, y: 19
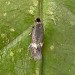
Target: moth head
x: 37, y: 20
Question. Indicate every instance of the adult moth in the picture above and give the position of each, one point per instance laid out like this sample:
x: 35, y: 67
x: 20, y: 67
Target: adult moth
x: 37, y: 39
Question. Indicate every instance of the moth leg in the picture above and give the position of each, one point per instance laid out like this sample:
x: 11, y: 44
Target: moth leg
x: 33, y: 27
x: 31, y: 31
x: 29, y: 47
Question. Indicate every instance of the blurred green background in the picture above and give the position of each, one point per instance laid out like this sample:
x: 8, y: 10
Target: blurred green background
x: 16, y: 21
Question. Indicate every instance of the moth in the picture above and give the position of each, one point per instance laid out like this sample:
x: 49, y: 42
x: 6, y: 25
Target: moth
x: 37, y: 39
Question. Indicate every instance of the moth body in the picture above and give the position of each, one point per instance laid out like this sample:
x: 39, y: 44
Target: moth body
x: 37, y: 40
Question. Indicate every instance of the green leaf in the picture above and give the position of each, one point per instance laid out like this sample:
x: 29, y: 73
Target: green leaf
x: 16, y: 21
x: 59, y: 45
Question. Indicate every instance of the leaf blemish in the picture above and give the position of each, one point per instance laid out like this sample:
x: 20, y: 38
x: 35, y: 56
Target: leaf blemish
x: 37, y: 71
x: 11, y: 54
x: 8, y: 2
x: 52, y: 47
x: 12, y: 29
x: 4, y: 14
x: 49, y: 12
x: 72, y: 23
x: 31, y: 11
x: 35, y: 2
x: 3, y: 35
